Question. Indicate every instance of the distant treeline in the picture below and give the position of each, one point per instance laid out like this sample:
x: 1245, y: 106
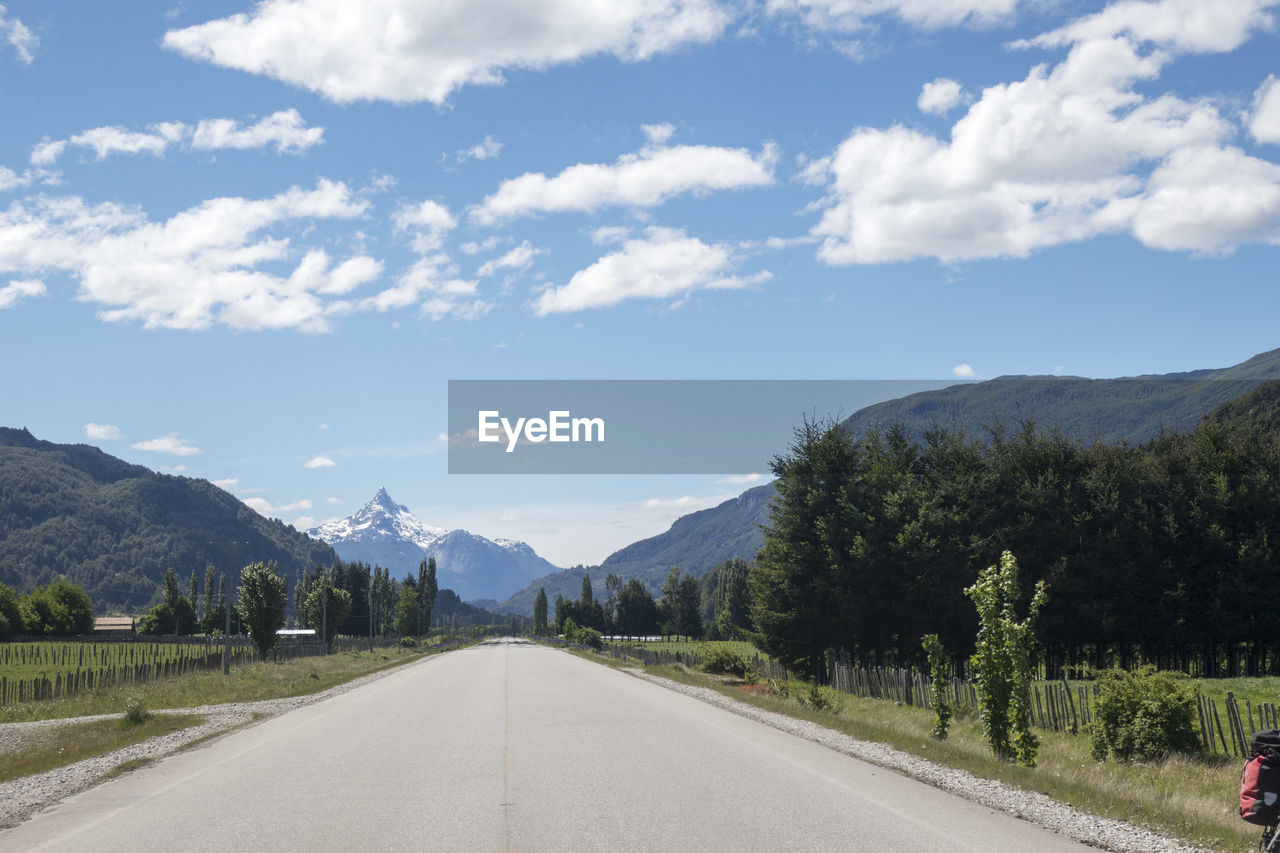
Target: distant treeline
x: 1158, y: 553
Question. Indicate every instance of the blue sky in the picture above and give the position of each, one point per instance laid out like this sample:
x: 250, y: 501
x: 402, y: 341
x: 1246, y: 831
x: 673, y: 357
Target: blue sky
x: 252, y: 243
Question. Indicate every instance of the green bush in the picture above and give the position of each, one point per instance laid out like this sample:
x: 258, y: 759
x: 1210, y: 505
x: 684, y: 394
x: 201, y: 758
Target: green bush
x: 722, y: 661
x: 135, y: 709
x: 408, y: 642
x: 1144, y: 715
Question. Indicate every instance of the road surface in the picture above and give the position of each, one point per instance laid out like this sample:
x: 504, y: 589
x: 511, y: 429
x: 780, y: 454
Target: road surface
x: 516, y: 747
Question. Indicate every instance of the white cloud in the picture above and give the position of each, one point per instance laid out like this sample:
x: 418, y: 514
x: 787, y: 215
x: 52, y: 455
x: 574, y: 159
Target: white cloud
x: 475, y: 248
x: 518, y: 258
x: 665, y: 263
x: 121, y: 140
x: 834, y: 17
x: 486, y: 150
x: 1070, y: 152
x: 645, y: 179
x: 1264, y: 123
x: 740, y: 480
x: 19, y: 37
x: 200, y: 267
x: 964, y: 371
x: 285, y: 129
x: 47, y: 151
x: 16, y: 291
x: 685, y: 502
x: 103, y: 432
x: 227, y: 484
x: 333, y: 501
x: 610, y: 234
x: 1187, y: 26
x: 939, y: 96
x: 266, y: 509
x: 658, y: 134
x: 172, y: 444
x: 406, y: 51
x: 430, y: 222
x: 320, y: 462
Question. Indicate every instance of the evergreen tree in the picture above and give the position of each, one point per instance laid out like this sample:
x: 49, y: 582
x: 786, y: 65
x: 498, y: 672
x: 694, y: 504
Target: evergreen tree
x: 428, y: 589
x: 732, y: 611
x: 540, y: 613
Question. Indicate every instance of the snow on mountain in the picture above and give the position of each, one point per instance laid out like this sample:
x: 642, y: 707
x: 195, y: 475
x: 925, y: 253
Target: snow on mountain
x: 387, y: 533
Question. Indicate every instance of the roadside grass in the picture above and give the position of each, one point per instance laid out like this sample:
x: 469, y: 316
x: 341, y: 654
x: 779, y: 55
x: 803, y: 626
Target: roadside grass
x: 245, y: 683
x: 1191, y: 799
x: 62, y: 745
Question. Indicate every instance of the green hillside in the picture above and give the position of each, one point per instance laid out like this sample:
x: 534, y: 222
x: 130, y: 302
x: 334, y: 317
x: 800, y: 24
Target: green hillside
x: 1132, y: 410
x: 113, y: 528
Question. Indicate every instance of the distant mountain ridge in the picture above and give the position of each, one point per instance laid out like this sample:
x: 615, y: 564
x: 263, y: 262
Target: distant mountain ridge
x: 696, y: 542
x: 387, y: 533
x: 113, y: 527
x: 1131, y: 409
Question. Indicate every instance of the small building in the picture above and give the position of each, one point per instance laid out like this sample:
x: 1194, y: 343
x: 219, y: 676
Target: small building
x: 113, y: 626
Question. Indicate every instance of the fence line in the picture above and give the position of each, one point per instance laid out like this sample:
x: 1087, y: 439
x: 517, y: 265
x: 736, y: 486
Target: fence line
x: 1056, y: 706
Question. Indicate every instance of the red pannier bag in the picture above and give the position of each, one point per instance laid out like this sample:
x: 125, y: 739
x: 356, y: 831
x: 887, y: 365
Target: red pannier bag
x: 1260, y: 780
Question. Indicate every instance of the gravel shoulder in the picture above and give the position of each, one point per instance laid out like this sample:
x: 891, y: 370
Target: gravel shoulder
x: 23, y: 797
x: 1105, y: 833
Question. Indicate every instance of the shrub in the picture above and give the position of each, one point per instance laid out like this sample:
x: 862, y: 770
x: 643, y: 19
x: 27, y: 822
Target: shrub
x: 135, y: 709
x: 815, y: 698
x: 1144, y: 715
x: 722, y: 661
x: 408, y: 642
x: 938, y: 692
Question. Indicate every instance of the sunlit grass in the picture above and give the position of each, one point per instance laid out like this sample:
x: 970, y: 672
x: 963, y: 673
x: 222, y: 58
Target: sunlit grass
x: 65, y: 744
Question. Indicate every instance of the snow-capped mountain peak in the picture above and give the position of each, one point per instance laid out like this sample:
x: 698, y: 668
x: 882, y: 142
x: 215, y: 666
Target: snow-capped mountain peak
x: 380, y: 518
x: 387, y: 533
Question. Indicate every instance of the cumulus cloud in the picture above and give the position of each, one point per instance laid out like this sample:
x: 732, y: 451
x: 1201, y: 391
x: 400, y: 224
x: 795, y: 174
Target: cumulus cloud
x: 200, y: 267
x: 173, y: 444
x: 840, y: 19
x: 964, y: 371
x: 1070, y: 152
x: 19, y: 37
x: 432, y: 282
x: 740, y: 479
x: 518, y: 258
x: 266, y: 509
x: 15, y: 291
x: 644, y: 179
x: 939, y: 96
x: 102, y: 432
x: 1187, y: 26
x: 685, y: 502
x: 406, y: 51
x: 47, y: 151
x: 1264, y: 123
x: 665, y: 263
x: 320, y: 462
x: 486, y: 150
x: 285, y: 129
x: 227, y: 484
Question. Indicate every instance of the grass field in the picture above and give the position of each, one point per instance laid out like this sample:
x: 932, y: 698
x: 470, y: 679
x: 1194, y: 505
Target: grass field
x: 246, y: 683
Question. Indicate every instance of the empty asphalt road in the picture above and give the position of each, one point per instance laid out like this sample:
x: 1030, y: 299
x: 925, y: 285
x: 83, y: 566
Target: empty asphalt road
x: 515, y: 747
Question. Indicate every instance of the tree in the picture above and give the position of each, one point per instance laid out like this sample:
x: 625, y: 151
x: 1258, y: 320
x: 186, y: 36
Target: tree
x: 733, y: 600
x: 688, y: 608
x: 588, y: 598
x: 799, y: 582
x: 408, y: 617
x: 11, y: 621
x: 327, y: 607
x: 262, y: 602
x: 938, y: 692
x: 637, y: 614
x: 171, y: 587
x: 1002, y: 661
x: 540, y: 613
x: 208, y: 593
x: 61, y: 608
x: 428, y: 588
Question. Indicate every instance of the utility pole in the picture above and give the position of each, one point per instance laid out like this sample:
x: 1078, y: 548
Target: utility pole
x: 226, y: 636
